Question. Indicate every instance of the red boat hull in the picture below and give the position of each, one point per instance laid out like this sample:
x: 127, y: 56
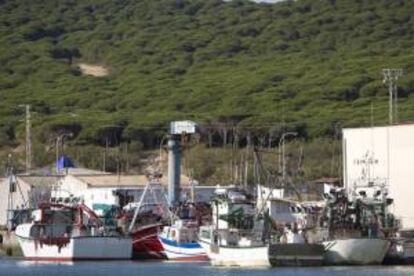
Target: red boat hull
x: 145, y: 243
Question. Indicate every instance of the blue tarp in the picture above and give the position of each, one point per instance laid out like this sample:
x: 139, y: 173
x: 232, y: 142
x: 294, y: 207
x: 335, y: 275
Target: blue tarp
x: 64, y: 162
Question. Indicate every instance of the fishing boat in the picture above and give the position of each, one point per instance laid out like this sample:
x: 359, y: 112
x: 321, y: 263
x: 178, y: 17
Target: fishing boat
x: 70, y: 232
x: 234, y: 239
x: 359, y: 222
x: 233, y: 248
x: 146, y: 244
x: 290, y: 242
x: 358, y: 229
x: 355, y: 251
x: 180, y: 241
x: 149, y: 216
x: 244, y: 236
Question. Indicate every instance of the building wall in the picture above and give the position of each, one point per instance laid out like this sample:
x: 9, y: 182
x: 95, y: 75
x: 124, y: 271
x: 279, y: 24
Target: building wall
x: 264, y: 194
x: 18, y: 198
x: 91, y: 195
x: 392, y: 151
x: 4, y: 192
x: 71, y: 185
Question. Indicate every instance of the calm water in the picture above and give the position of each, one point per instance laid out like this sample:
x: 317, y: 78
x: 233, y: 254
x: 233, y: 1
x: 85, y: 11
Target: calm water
x: 11, y: 267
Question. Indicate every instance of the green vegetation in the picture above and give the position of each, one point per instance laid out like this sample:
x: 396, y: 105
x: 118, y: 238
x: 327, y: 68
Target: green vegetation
x: 309, y: 66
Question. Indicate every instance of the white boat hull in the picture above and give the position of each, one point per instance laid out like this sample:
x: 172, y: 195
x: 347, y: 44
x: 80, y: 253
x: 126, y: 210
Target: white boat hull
x: 76, y: 248
x: 357, y: 251
x: 237, y: 256
x: 183, y: 252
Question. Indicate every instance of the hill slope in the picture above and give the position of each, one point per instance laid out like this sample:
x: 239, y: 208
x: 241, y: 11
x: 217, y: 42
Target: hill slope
x: 310, y: 64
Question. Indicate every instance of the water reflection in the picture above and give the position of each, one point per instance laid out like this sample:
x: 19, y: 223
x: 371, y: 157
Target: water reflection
x: 137, y: 268
x: 36, y: 263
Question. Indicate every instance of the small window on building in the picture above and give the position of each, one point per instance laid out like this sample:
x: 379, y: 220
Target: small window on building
x: 130, y: 198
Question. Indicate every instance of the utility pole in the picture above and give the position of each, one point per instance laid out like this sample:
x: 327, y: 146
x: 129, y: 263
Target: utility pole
x: 391, y: 77
x: 28, y: 140
x: 126, y: 158
x: 246, y: 160
x: 105, y: 154
x: 282, y: 163
x: 12, y: 189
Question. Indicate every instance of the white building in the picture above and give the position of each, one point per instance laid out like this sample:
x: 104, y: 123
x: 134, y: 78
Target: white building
x: 383, y: 154
x: 27, y: 190
x: 98, y: 190
x: 265, y: 195
x: 101, y: 192
x: 23, y: 192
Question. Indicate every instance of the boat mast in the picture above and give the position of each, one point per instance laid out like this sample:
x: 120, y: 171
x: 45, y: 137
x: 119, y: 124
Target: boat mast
x: 12, y: 188
x: 131, y: 226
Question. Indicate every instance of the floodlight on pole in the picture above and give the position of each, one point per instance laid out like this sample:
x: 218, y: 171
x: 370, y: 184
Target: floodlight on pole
x: 391, y: 77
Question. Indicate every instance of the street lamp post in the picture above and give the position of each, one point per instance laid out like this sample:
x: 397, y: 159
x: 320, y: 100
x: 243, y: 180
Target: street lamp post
x: 160, y: 153
x: 28, y: 143
x: 282, y: 165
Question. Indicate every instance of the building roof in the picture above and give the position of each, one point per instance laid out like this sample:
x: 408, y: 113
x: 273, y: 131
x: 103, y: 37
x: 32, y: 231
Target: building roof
x: 328, y: 180
x: 37, y: 181
x: 51, y: 171
x: 111, y: 180
x: 394, y: 125
x: 84, y: 171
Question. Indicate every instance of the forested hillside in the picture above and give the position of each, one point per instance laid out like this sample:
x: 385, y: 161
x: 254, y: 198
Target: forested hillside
x: 307, y: 65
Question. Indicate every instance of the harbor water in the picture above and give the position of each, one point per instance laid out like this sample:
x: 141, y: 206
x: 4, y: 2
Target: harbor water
x: 20, y: 267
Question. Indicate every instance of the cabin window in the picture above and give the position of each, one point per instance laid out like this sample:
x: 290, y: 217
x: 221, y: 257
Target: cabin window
x: 35, y: 231
x: 205, y: 234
